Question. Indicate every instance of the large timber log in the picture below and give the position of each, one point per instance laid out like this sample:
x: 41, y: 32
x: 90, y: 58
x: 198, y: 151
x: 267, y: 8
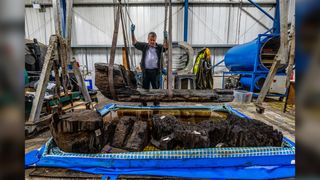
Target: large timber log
x: 87, y: 132
x: 168, y: 133
x: 124, y: 81
x: 126, y: 89
x: 80, y: 132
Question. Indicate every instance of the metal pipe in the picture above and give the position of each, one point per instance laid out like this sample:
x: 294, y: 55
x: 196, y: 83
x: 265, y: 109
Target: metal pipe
x: 69, y: 30
x: 63, y: 17
x: 186, y: 7
x: 262, y: 10
x: 158, y: 3
x: 218, y: 64
x: 276, y: 21
x: 169, y: 84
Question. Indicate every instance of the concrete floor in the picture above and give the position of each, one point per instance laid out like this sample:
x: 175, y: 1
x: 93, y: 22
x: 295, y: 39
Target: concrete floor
x: 284, y: 122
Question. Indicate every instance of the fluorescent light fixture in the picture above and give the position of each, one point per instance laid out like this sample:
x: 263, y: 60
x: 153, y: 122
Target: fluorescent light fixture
x: 36, y: 6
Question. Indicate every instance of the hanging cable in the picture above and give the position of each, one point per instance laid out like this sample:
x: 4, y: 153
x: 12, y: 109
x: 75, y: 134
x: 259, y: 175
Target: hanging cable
x: 164, y: 29
x: 162, y: 57
x: 240, y: 11
x: 126, y: 8
x: 125, y: 39
x: 132, y: 57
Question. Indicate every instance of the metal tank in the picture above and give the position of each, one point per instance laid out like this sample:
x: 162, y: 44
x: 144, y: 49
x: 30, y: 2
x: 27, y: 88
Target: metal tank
x: 253, y: 60
x: 259, y: 52
x: 258, y: 81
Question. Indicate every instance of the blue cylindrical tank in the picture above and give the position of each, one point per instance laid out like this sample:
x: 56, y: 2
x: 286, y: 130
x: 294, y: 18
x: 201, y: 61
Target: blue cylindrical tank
x: 243, y: 57
x: 258, y: 81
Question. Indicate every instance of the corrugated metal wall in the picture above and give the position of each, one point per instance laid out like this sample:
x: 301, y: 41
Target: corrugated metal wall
x: 209, y: 24
x: 215, y: 24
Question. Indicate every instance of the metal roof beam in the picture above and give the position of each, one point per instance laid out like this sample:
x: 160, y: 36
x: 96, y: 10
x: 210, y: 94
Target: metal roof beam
x: 161, y: 3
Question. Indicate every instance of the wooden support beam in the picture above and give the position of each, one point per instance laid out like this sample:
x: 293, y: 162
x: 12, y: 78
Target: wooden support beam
x: 80, y: 81
x: 292, y: 46
x: 61, y: 44
x: 178, y: 95
x: 43, y: 81
x: 113, y: 52
x: 62, y: 50
x: 57, y: 77
x: 67, y: 54
x: 56, y: 16
x: 284, y: 31
x: 69, y: 21
x: 125, y: 59
x: 267, y: 84
x: 281, y: 57
x: 291, y: 56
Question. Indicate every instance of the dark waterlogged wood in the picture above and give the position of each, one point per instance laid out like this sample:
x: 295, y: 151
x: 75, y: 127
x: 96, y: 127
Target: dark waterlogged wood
x: 139, y: 137
x: 87, y: 132
x: 126, y: 89
x: 79, y: 132
x: 122, y: 131
x: 168, y: 133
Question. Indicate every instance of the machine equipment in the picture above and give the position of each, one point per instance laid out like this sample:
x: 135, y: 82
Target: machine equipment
x: 253, y: 60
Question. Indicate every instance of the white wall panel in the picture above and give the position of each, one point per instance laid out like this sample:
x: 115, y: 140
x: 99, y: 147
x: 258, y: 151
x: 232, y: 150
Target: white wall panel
x: 92, y: 26
x: 208, y: 24
x: 39, y: 25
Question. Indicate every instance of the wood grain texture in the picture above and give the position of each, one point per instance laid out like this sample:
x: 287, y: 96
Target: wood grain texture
x: 126, y: 89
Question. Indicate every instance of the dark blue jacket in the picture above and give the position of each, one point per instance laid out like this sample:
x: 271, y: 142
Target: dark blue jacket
x: 142, y: 46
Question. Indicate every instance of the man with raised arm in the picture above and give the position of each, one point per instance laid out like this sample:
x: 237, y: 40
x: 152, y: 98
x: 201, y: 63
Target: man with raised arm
x: 150, y: 64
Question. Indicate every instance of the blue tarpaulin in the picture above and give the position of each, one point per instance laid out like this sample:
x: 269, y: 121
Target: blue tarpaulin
x: 225, y: 163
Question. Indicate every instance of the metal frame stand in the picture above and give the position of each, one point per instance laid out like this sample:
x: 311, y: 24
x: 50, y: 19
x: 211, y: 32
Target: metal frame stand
x: 256, y: 71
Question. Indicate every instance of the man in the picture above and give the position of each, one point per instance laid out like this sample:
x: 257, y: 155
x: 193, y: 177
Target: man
x: 150, y: 64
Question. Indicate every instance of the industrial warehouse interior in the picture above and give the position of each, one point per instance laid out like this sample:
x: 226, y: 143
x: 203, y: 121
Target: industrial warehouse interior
x: 165, y: 89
